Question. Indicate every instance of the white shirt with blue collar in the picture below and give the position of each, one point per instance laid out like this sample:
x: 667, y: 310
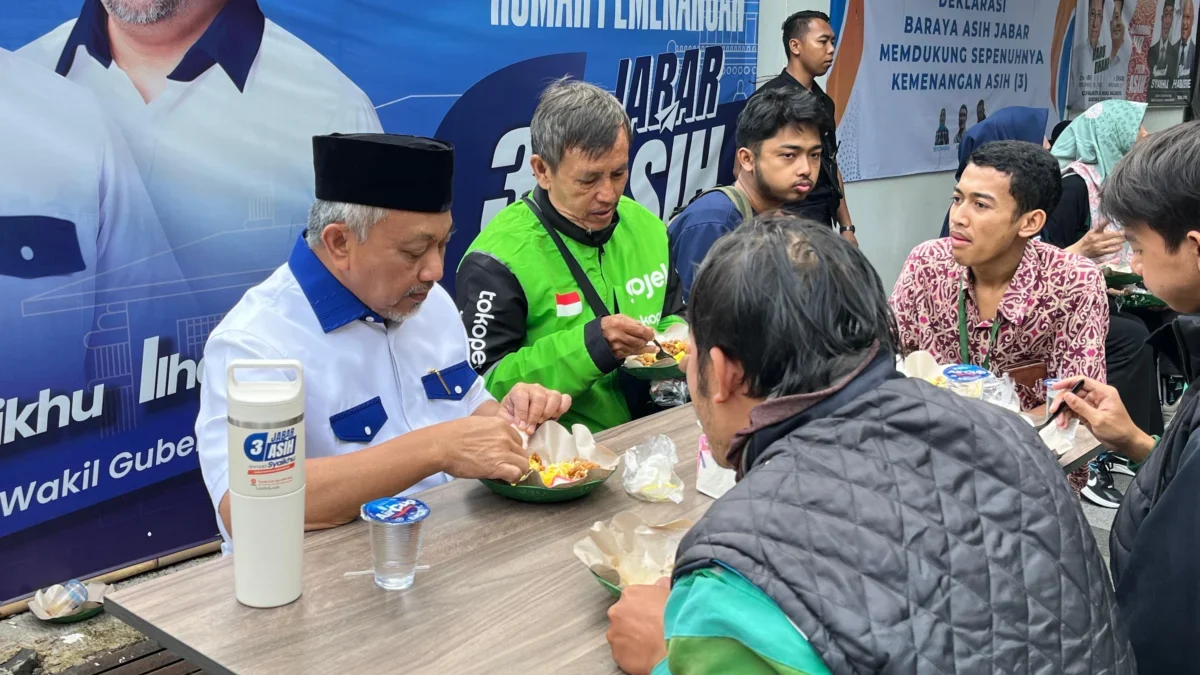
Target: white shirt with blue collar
x: 225, y: 150
x: 366, y: 380
x: 78, y: 235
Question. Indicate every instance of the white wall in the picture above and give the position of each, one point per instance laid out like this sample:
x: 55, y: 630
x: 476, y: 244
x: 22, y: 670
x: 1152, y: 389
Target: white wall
x: 892, y: 215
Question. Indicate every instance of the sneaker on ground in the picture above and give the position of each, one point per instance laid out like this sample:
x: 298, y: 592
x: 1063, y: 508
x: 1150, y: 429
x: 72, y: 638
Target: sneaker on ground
x: 1100, y: 489
x: 1172, y: 390
x: 1117, y: 464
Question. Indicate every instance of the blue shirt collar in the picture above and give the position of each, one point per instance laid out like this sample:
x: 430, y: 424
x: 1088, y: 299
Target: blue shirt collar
x: 333, y: 303
x: 231, y: 41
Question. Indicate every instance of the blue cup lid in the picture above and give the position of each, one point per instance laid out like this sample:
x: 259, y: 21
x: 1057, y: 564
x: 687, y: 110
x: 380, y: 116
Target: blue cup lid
x: 966, y: 373
x: 396, y: 510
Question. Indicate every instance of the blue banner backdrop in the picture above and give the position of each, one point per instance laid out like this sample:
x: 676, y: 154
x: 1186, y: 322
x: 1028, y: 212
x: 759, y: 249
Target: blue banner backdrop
x: 134, y: 212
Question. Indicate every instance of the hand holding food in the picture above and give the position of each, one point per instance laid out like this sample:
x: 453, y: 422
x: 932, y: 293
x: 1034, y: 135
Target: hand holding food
x: 1098, y: 243
x: 635, y: 632
x: 1100, y: 408
x: 484, y: 447
x: 676, y: 348
x: 529, y: 405
x: 627, y: 337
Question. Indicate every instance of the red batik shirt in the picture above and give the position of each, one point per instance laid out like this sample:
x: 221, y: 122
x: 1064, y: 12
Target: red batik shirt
x: 1055, y: 312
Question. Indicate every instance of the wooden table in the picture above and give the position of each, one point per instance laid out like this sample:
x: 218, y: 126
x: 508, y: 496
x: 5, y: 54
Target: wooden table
x: 504, y: 592
x: 1086, y: 449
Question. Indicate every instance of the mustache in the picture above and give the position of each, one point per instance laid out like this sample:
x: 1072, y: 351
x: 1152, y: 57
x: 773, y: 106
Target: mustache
x: 418, y: 289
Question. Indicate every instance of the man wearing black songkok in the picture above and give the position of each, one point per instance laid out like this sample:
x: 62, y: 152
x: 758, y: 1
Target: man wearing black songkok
x: 392, y: 403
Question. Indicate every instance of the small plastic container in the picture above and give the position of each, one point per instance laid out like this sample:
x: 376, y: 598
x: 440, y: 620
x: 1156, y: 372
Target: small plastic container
x: 1051, y: 392
x: 967, y: 380
x: 394, y: 524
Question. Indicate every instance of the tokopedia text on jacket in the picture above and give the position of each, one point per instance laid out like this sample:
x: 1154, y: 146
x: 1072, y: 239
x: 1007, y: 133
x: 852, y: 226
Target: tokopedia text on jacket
x: 528, y: 320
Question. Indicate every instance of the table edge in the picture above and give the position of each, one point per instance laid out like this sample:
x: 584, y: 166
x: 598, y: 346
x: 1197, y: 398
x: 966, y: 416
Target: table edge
x: 164, y: 639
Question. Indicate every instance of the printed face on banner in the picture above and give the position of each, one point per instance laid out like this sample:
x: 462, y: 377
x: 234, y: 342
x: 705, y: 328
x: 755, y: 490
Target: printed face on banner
x: 1095, y: 21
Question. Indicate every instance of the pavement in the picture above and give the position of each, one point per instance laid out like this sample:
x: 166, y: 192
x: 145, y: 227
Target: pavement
x: 62, y: 646
x: 1101, y: 519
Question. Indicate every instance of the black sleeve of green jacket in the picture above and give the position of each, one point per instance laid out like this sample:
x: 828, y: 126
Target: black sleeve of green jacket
x: 673, y: 303
x: 494, y: 311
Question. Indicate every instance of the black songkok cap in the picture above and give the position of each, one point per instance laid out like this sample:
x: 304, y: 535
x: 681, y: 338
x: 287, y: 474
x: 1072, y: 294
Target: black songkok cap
x: 389, y: 171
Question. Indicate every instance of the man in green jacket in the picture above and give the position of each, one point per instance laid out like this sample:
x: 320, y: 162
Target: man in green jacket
x: 529, y: 316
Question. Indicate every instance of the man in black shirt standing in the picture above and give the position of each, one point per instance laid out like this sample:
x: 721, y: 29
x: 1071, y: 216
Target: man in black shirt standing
x: 809, y: 42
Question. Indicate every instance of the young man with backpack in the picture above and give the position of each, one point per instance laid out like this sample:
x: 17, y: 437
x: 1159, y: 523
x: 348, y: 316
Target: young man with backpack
x: 778, y: 160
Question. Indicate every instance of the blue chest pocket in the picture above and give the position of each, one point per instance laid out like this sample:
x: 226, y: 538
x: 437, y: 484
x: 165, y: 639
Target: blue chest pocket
x: 360, y: 423
x: 450, y: 384
x: 32, y: 247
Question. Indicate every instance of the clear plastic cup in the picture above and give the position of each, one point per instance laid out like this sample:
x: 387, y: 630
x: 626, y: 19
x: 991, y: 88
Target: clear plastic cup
x: 394, y: 524
x: 1051, y: 392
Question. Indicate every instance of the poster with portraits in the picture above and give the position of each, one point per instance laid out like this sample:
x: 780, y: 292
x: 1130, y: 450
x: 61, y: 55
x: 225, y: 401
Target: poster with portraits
x: 1139, y: 50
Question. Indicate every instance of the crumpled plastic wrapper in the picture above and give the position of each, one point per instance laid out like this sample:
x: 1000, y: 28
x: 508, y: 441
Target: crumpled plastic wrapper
x: 553, y: 443
x: 998, y: 391
x: 1061, y: 441
x: 69, y: 599
x: 627, y: 551
x: 670, y: 393
x: 711, y: 478
x: 650, y: 471
x: 1002, y: 392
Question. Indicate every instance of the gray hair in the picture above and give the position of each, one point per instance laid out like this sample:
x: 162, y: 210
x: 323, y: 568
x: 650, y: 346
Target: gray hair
x: 575, y: 115
x: 357, y: 218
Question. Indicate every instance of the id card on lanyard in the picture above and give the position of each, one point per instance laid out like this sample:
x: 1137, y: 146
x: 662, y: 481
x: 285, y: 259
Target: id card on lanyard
x: 964, y: 346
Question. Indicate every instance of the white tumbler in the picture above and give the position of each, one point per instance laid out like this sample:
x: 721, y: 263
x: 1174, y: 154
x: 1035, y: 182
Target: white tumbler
x: 266, y: 480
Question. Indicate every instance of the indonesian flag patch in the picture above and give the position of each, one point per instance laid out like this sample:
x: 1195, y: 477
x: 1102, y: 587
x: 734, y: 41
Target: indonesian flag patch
x: 568, y: 304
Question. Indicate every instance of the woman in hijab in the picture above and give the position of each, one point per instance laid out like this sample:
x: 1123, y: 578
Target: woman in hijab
x: 1015, y: 123
x: 1087, y: 150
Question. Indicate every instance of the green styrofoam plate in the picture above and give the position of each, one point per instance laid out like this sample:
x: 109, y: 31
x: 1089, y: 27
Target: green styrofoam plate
x: 542, y: 495
x: 656, y: 373
x: 612, y: 590
x: 1121, y: 279
x: 86, y: 614
x: 1142, y: 301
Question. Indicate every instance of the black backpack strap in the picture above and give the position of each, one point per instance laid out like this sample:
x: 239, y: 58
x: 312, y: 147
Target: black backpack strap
x: 740, y: 201
x: 581, y: 279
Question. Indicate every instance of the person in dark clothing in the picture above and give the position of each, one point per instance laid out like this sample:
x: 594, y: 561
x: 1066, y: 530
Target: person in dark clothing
x: 809, y: 42
x: 887, y: 518
x: 1154, y: 191
x: 1087, y: 150
x: 1058, y: 129
x: 1015, y: 123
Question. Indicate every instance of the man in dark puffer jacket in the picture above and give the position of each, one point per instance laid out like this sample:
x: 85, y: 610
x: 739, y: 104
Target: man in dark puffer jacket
x: 900, y: 527
x: 1155, y: 192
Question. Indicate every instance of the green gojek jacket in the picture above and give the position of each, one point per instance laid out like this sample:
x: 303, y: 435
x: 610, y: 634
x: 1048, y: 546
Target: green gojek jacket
x: 527, y: 320
x: 716, y: 622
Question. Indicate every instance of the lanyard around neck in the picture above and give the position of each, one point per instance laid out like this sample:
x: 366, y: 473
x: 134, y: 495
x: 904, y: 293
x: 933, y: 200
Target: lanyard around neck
x: 964, y: 347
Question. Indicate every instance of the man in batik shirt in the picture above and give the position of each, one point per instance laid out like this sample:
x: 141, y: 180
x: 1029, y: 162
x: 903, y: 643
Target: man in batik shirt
x: 991, y: 295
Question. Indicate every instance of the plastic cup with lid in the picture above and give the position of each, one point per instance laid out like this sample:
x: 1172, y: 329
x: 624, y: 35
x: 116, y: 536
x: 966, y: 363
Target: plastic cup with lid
x: 394, y: 525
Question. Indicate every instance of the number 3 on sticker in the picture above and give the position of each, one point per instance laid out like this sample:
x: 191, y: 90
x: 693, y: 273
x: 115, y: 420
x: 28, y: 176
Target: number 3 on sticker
x: 254, y: 446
